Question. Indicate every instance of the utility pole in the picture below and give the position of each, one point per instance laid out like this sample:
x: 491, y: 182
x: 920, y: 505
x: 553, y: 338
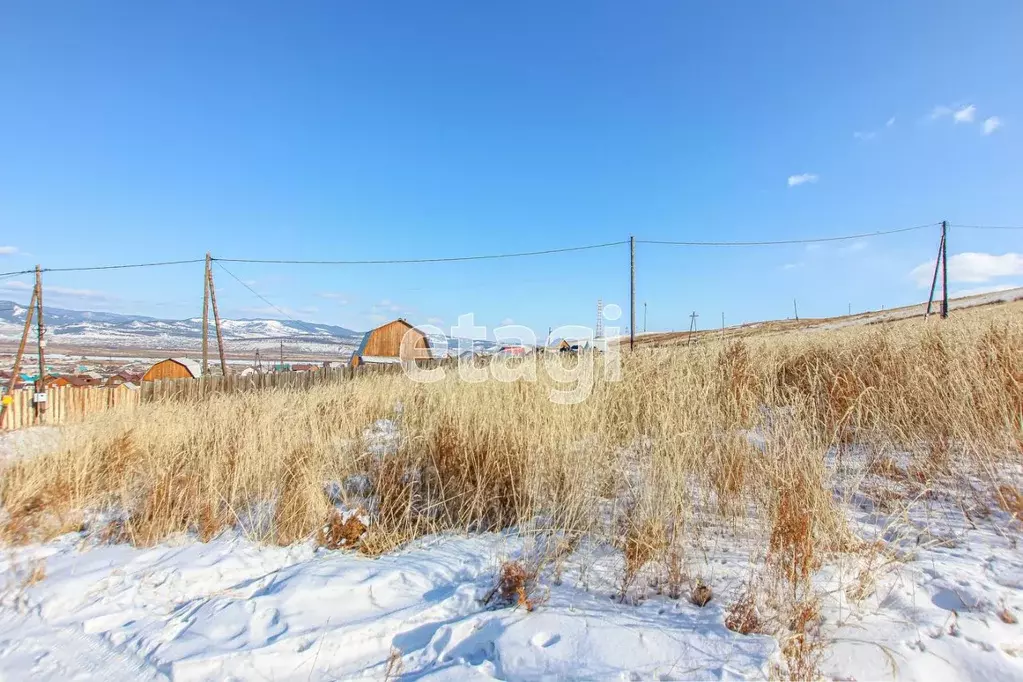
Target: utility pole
x: 944, y: 269
x: 795, y: 310
x: 632, y: 293
x: 280, y: 367
x: 41, y: 339
x: 850, y: 309
x: 722, y: 320
x: 692, y: 327
x: 206, y: 318
x: 216, y: 320
x: 9, y: 395
x: 937, y: 264
x: 644, y: 317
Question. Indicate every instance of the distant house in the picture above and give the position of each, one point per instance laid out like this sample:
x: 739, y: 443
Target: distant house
x: 173, y: 368
x: 512, y: 350
x: 124, y: 378
x: 76, y: 380
x: 393, y: 342
x: 303, y: 368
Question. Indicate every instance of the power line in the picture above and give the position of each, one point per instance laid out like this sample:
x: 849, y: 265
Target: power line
x: 256, y: 293
x: 123, y: 267
x: 811, y: 240
x: 397, y: 261
x: 520, y: 254
x: 104, y: 267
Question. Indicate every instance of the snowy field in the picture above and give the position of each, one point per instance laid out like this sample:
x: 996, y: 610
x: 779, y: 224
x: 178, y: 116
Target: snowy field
x: 934, y: 602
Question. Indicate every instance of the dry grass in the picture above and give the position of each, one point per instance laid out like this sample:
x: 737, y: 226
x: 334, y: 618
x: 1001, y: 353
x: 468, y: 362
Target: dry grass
x: 515, y: 586
x: 742, y: 615
x: 746, y: 429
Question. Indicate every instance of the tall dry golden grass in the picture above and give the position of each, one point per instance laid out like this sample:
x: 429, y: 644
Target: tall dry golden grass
x: 747, y: 432
x: 673, y: 434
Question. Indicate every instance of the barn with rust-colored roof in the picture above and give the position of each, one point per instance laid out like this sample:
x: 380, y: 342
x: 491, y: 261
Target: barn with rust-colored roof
x: 173, y: 368
x: 393, y: 342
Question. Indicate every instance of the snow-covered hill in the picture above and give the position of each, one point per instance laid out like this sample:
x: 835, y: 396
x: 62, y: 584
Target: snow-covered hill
x: 88, y: 328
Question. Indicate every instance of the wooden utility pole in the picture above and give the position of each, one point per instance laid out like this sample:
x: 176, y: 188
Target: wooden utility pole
x: 795, y: 310
x: 21, y: 353
x: 644, y: 317
x: 632, y: 293
x: 41, y: 341
x: 692, y: 327
x: 206, y: 318
x: 216, y: 319
x: 944, y: 269
x: 280, y: 367
x: 937, y: 264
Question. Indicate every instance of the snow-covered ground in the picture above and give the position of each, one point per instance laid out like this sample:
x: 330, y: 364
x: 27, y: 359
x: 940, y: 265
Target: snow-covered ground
x: 233, y: 609
x: 933, y: 600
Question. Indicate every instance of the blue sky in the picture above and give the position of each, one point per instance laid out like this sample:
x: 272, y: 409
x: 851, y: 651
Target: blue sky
x: 133, y: 132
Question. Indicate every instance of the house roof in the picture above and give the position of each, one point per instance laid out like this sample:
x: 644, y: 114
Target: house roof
x: 366, y: 337
x: 194, y: 368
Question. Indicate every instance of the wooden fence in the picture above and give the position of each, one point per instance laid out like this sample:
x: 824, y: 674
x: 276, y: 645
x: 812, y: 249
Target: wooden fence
x: 67, y: 404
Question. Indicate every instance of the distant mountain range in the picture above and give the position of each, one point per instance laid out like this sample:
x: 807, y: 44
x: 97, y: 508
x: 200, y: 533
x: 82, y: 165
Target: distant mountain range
x: 90, y: 328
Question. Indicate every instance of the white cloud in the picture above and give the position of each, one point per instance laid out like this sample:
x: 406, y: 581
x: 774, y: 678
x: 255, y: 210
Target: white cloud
x: 65, y: 292
x: 992, y: 124
x: 972, y: 267
x: 507, y: 321
x: 940, y: 111
x: 802, y: 178
x: 77, y: 293
x: 8, y: 250
x: 386, y: 305
x: 965, y: 114
x: 890, y: 122
x: 865, y: 136
x: 791, y: 266
x: 435, y: 320
x: 337, y: 296
x: 858, y: 245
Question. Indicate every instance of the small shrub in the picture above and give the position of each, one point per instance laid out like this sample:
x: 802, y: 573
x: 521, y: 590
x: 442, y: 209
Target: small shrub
x: 792, y: 547
x: 675, y: 575
x: 804, y: 648
x: 341, y: 533
x: 742, y: 616
x: 1010, y: 500
x: 701, y: 595
x: 515, y: 585
x: 643, y: 541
